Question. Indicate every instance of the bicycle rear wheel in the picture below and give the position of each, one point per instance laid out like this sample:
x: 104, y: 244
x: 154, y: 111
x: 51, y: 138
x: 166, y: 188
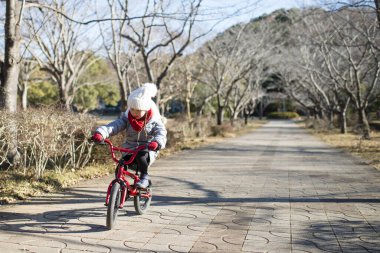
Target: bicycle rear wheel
x: 142, y: 203
x: 113, y: 205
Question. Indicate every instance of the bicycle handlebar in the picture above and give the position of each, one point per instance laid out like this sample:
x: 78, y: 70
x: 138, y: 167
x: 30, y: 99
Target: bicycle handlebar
x: 125, y: 150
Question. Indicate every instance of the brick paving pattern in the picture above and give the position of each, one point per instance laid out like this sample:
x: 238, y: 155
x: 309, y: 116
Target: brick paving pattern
x: 277, y: 189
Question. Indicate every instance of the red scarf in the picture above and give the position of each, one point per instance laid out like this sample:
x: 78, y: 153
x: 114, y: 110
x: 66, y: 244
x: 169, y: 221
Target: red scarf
x: 138, y: 124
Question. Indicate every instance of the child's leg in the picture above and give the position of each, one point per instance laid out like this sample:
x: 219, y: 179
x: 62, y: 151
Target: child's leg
x: 142, y: 160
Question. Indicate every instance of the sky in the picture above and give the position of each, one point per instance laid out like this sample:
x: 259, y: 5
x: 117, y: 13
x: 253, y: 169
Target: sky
x: 222, y: 14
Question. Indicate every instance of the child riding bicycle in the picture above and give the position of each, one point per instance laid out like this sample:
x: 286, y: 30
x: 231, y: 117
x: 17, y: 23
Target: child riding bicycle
x: 143, y: 125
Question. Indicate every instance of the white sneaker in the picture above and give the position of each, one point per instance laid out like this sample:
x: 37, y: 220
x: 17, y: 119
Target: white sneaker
x: 144, y: 182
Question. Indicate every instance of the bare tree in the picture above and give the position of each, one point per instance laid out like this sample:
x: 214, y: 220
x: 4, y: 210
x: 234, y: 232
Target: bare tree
x: 224, y: 72
x: 181, y: 83
x: 235, y: 65
x: 29, y: 66
x: 339, y: 5
x: 120, y: 53
x: 324, y: 70
x: 56, y: 44
x: 338, y: 56
x: 190, y: 81
x: 353, y: 59
x: 247, y: 93
x: 377, y: 4
x: 10, y: 72
x: 156, y: 35
x: 11, y: 67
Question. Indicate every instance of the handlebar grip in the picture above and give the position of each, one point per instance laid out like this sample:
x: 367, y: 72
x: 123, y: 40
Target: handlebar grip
x: 90, y: 140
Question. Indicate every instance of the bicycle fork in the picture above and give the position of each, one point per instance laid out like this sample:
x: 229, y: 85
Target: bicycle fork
x: 124, y: 192
x: 123, y: 188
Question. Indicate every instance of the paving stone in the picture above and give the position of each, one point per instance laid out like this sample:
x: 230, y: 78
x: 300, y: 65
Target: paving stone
x: 16, y: 248
x: 277, y: 189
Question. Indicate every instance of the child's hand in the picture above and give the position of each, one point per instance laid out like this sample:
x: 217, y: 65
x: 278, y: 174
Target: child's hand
x: 97, y: 137
x: 153, y: 146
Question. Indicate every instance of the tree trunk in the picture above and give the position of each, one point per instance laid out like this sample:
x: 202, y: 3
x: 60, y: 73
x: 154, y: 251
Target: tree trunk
x: 68, y: 105
x: 261, y: 110
x: 62, y: 100
x: 220, y: 115
x: 246, y: 115
x: 11, y: 68
x: 234, y: 117
x: 123, y: 96
x: 24, y: 98
x: 331, y: 119
x: 321, y: 114
x: 188, y: 111
x: 343, y: 116
x: 343, y: 122
x: 161, y: 107
x: 363, y: 122
x: 10, y: 73
x: 377, y: 3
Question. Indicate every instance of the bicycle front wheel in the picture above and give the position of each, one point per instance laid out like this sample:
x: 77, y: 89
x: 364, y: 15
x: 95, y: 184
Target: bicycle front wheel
x: 141, y: 201
x: 113, y: 205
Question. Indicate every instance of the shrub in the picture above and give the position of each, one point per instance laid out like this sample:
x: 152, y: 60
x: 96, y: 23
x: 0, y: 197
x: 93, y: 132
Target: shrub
x: 180, y: 129
x: 319, y: 125
x: 46, y: 138
x: 221, y: 130
x: 282, y: 115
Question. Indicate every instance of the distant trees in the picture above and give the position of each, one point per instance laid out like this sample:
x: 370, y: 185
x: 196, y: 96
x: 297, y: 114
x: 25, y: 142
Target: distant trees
x: 338, y: 5
x: 162, y: 35
x: 120, y: 53
x: 335, y: 63
x: 352, y: 60
x: 328, y: 61
x: 145, y: 49
x: 27, y: 68
x: 234, y: 68
x: 141, y: 47
x: 56, y: 41
x: 60, y: 46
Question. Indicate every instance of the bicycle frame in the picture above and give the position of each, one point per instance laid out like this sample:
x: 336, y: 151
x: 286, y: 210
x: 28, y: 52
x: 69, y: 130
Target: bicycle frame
x: 122, y: 174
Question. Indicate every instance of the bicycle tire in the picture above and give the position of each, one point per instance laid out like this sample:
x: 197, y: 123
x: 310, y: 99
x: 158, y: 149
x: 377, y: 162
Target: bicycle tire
x: 113, y: 205
x: 142, y: 204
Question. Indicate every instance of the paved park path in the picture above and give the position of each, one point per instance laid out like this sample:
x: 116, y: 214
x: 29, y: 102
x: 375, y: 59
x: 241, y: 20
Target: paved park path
x: 277, y: 189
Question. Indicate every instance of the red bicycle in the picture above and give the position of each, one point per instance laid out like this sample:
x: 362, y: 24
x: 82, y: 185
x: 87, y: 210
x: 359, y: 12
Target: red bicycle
x: 123, y: 187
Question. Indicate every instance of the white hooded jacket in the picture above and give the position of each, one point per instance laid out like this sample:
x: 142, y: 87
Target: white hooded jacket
x: 154, y: 130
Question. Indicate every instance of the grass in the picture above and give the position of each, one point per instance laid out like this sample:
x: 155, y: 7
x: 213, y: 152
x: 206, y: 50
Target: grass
x: 367, y: 150
x: 15, y: 185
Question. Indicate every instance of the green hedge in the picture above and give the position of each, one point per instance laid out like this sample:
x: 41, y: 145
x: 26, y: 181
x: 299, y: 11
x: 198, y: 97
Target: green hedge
x: 282, y: 115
